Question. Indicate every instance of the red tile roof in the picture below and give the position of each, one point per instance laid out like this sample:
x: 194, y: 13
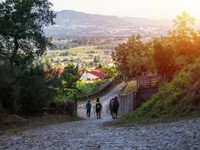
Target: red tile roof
x: 99, y: 74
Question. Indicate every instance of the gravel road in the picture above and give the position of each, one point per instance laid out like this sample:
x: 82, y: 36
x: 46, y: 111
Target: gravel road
x: 90, y: 134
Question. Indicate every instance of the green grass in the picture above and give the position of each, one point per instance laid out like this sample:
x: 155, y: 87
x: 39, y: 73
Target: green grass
x: 129, y: 87
x: 78, y: 54
x: 78, y: 50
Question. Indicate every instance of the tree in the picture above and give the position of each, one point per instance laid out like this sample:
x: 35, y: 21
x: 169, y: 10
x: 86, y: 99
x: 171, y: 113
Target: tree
x: 68, y: 80
x: 25, y: 91
x: 164, y: 58
x: 21, y: 28
x: 96, y: 59
x: 178, y: 48
x: 183, y: 36
x: 134, y: 57
x: 23, y: 84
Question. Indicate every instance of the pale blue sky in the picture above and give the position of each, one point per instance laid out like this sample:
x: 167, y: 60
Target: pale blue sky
x: 153, y: 9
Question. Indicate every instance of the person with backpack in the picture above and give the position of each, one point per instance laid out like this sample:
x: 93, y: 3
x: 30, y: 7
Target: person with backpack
x: 111, y: 106
x: 88, y: 108
x: 98, y: 108
x: 115, y: 107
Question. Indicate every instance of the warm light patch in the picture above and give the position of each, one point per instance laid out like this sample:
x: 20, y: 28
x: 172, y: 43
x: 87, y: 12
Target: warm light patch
x: 154, y: 9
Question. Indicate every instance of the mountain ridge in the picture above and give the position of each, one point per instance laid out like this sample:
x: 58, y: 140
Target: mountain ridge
x: 72, y: 22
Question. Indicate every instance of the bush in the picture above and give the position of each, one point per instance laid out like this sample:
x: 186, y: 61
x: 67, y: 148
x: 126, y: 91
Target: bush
x: 178, y: 98
x: 24, y: 91
x: 8, y: 88
x: 34, y: 95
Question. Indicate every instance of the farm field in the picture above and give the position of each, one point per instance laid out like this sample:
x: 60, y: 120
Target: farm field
x: 85, y: 56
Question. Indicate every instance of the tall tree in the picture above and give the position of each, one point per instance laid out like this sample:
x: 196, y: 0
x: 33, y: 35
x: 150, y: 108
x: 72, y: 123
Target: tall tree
x: 21, y: 28
x: 178, y: 48
x: 134, y: 57
x: 24, y: 85
x: 183, y: 35
x: 164, y: 58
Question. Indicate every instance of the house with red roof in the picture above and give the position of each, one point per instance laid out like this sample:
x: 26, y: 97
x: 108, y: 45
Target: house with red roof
x: 94, y: 75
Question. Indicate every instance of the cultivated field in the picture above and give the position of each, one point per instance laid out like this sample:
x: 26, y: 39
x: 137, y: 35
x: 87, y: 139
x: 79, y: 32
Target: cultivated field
x: 83, y: 56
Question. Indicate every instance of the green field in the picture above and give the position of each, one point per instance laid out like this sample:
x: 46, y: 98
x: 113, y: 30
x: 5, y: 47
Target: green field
x: 79, y: 55
x: 79, y: 50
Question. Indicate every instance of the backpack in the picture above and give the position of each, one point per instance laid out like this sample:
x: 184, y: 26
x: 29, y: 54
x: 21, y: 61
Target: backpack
x: 111, y: 104
x: 115, y: 104
x: 98, y: 106
x: 88, y: 106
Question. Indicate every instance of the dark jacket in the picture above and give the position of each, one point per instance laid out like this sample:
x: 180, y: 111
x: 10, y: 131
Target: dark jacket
x: 88, y: 106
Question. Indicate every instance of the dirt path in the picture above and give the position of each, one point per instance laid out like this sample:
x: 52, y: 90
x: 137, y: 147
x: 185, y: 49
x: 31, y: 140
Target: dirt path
x: 104, y: 100
x: 89, y: 134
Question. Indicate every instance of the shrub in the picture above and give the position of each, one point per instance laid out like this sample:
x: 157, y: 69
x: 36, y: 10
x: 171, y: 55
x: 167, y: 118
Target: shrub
x: 24, y: 90
x: 180, y: 97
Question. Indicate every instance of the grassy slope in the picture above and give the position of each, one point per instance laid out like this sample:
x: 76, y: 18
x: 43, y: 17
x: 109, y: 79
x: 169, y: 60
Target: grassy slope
x: 129, y: 87
x: 179, y: 98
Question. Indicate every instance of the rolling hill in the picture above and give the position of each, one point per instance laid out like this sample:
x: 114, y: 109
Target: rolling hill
x: 69, y: 22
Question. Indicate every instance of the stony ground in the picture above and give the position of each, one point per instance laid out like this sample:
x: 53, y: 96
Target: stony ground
x: 90, y: 134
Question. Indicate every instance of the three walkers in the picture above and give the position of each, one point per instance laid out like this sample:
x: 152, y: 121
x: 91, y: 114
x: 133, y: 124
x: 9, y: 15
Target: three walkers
x: 113, y: 106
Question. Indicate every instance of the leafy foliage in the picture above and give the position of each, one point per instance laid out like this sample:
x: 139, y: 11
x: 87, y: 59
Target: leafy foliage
x: 21, y: 28
x: 68, y: 81
x: 177, y: 59
x: 179, y: 48
x: 24, y: 87
x: 24, y: 91
x: 134, y: 57
x: 179, y: 98
x: 85, y: 88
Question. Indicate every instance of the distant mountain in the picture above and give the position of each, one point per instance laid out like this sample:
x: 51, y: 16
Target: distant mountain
x: 69, y: 22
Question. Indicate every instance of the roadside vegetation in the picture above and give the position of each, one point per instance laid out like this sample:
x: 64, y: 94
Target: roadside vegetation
x: 129, y: 88
x: 32, y: 86
x: 176, y: 58
x: 176, y: 99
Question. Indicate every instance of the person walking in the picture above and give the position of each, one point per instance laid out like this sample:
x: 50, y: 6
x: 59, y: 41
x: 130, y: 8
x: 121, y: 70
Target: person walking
x: 88, y: 108
x: 98, y: 108
x: 115, y: 107
x: 111, y: 106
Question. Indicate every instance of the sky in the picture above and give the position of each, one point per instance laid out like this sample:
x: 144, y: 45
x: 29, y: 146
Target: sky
x: 152, y: 9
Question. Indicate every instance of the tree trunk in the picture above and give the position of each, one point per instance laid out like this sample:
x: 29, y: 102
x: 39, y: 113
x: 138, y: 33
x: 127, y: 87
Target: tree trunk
x: 16, y: 47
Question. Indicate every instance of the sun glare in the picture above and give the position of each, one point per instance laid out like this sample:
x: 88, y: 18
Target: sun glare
x: 192, y: 8
x: 153, y: 9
